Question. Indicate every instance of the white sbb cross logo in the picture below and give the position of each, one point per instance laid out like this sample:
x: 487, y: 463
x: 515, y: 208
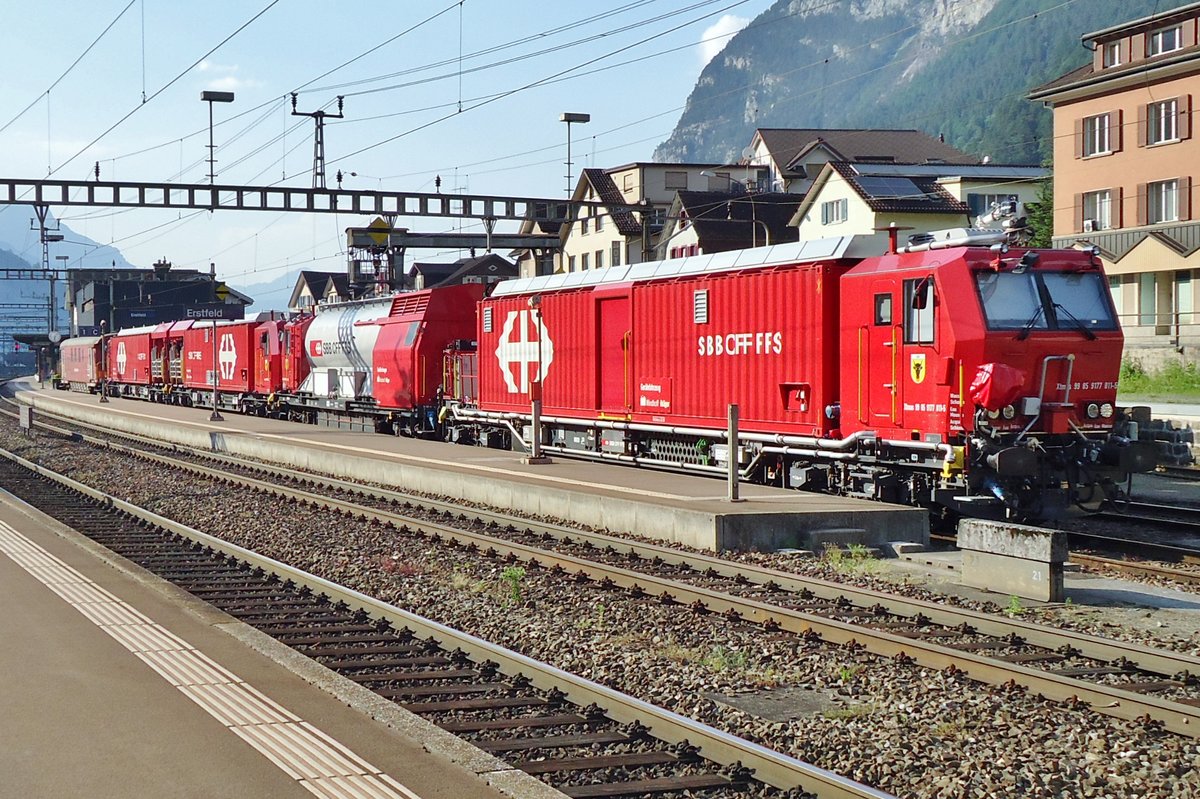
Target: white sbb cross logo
x: 522, y: 350
x: 227, y: 356
x: 121, y: 358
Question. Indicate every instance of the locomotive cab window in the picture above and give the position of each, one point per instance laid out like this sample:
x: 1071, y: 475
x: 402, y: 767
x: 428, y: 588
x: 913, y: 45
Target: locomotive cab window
x: 1035, y: 301
x: 883, y: 309
x: 918, y: 310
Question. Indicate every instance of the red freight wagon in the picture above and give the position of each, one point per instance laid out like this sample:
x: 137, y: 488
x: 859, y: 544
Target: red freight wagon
x: 674, y: 343
x: 294, y: 366
x: 234, y: 350
x: 80, y: 358
x: 268, y: 373
x: 129, y: 357
x: 408, y: 353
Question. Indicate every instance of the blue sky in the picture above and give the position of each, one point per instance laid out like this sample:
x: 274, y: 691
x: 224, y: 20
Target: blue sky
x: 628, y: 63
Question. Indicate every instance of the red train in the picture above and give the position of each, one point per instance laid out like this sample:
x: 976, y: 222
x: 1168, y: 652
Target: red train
x: 970, y: 379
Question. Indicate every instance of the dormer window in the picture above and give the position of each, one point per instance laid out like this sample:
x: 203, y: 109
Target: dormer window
x: 1112, y: 54
x: 1164, y: 40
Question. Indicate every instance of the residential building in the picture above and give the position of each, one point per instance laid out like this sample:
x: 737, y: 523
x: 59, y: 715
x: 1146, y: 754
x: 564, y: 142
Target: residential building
x: 789, y: 159
x: 701, y: 222
x: 1125, y: 164
x: 857, y: 198
x: 313, y: 288
x: 488, y: 269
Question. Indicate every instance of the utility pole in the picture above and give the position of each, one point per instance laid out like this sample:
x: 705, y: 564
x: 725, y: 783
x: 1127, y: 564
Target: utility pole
x: 319, y: 118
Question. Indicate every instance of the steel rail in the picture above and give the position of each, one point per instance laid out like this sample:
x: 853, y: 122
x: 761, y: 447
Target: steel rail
x: 1180, y: 718
x: 770, y: 767
x: 1134, y: 567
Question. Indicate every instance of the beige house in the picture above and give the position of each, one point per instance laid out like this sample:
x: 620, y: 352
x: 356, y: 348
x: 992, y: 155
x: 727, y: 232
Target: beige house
x: 1124, y: 158
x: 849, y: 199
x: 313, y: 288
x: 789, y: 159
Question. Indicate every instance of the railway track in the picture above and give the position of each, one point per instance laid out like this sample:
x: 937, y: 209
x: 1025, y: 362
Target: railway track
x: 583, y: 739
x: 1124, y: 680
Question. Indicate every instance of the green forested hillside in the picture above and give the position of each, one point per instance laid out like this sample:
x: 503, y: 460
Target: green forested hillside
x: 961, y: 68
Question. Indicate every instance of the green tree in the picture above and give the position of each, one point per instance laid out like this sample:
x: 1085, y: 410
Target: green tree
x: 1041, y: 211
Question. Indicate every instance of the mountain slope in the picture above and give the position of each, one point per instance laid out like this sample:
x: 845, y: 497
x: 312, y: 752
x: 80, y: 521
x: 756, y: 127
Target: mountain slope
x: 960, y: 68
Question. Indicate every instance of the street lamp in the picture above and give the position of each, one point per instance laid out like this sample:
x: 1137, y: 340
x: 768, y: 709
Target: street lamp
x: 570, y: 118
x: 215, y: 416
x: 210, y: 98
x: 754, y: 220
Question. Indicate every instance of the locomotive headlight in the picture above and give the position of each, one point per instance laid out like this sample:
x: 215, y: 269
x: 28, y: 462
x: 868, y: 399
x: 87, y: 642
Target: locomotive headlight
x: 1093, y: 410
x: 1009, y: 412
x: 1106, y: 410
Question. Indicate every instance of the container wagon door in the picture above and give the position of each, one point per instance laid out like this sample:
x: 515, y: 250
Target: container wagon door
x: 613, y: 329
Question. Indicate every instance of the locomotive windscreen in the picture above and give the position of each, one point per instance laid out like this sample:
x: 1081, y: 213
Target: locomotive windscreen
x: 1045, y: 301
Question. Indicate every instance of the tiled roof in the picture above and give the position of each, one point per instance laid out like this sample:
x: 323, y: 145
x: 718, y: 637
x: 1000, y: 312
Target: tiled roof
x: 892, y: 193
x: 602, y: 183
x: 1088, y: 74
x: 725, y: 221
x: 786, y: 145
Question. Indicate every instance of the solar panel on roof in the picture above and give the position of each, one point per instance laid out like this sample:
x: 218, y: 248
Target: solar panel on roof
x: 895, y: 188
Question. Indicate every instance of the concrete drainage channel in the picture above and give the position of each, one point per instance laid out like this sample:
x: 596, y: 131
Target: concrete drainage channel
x: 581, y: 738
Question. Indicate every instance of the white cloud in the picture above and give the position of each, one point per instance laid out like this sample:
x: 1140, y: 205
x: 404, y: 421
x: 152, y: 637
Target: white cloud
x: 230, y: 83
x: 717, y: 35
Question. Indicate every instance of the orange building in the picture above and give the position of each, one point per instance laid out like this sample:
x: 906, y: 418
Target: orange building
x: 1125, y: 161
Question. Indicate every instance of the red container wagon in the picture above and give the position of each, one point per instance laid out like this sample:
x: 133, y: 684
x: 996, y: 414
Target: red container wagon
x: 294, y: 366
x: 80, y: 363
x: 235, y: 362
x: 129, y: 361
x: 650, y: 348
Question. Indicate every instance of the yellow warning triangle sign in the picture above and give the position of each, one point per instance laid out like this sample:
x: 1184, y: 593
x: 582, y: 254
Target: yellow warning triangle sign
x: 379, y: 231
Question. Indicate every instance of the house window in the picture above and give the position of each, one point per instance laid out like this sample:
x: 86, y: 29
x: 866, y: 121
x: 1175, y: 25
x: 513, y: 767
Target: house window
x: 1146, y: 291
x: 616, y: 253
x: 1112, y: 54
x: 583, y: 225
x: 1118, y: 295
x: 1161, y: 120
x: 677, y: 180
x: 1097, y: 209
x: 834, y: 211
x: 1095, y: 135
x: 599, y: 259
x: 1164, y: 40
x: 570, y: 263
x: 1183, y: 297
x: 627, y: 182
x: 980, y: 204
x: 1162, y: 201
x: 599, y: 220
x: 585, y: 262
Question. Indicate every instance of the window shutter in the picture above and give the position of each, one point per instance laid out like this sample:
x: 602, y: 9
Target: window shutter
x: 1141, y: 126
x: 1187, y: 36
x: 1078, y: 213
x: 1115, y: 129
x: 1184, y: 129
x: 1118, y: 208
x: 1079, y: 138
x: 1142, y: 202
x: 1185, y: 199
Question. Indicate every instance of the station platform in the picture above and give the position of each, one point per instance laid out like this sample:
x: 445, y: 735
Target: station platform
x: 672, y: 507
x: 117, y: 684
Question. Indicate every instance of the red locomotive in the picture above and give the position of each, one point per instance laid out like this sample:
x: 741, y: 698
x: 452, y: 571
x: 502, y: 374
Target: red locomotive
x: 967, y: 378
